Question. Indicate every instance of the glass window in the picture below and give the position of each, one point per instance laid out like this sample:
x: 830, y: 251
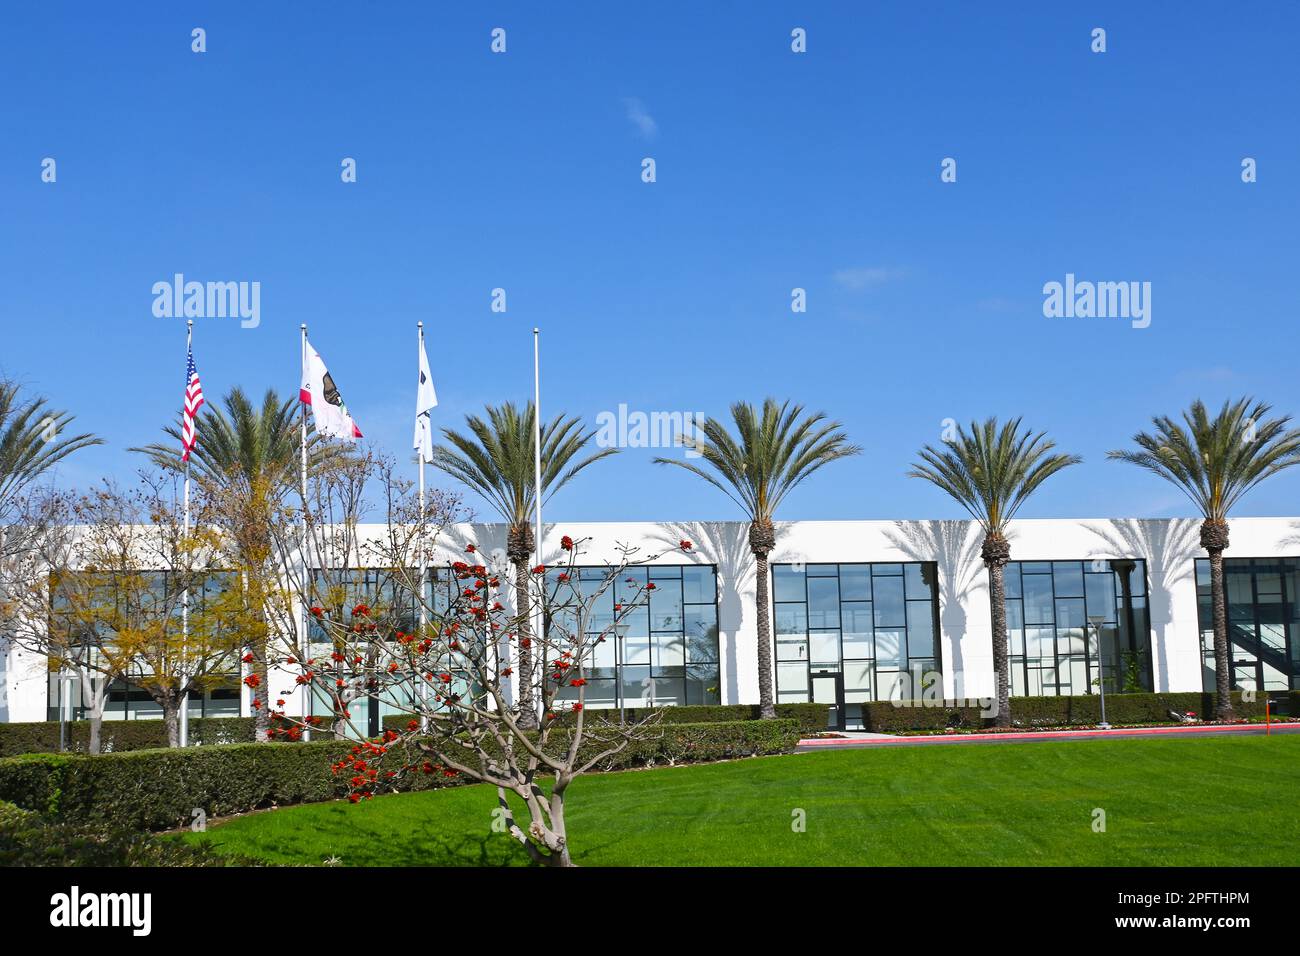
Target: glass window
x: 1068, y: 578
x: 699, y: 585
x: 919, y: 579
x: 1263, y: 622
x: 1054, y: 647
x: 920, y: 629
x: 825, y: 647
x: 889, y: 604
x: 788, y: 583
x: 855, y: 582
x: 668, y: 652
x: 860, y: 620
x: 823, y: 602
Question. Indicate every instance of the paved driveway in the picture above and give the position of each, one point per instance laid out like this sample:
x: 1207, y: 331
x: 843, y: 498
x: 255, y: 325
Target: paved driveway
x: 852, y: 739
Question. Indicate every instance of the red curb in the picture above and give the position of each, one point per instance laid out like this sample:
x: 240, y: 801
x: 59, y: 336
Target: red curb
x: 1046, y: 735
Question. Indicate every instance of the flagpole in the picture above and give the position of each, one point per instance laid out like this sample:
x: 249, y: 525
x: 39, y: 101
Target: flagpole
x: 185, y: 595
x: 304, y: 641
x: 419, y: 543
x: 537, y: 488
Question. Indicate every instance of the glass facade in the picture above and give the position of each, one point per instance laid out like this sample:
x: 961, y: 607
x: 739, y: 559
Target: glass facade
x: 876, y: 626
x: 126, y: 701
x: 665, y: 652
x: 1263, y: 605
x: 1052, y: 644
x: 378, y: 588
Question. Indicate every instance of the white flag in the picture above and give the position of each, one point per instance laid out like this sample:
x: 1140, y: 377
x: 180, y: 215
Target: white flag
x: 327, y: 408
x: 425, y: 400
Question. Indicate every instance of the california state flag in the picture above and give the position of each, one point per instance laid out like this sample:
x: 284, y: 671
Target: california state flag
x: 327, y: 409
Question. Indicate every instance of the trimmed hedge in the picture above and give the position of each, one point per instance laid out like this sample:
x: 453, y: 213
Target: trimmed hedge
x: 885, y: 717
x: 811, y: 718
x: 161, y: 789
x: 27, y: 839
x: 120, y: 736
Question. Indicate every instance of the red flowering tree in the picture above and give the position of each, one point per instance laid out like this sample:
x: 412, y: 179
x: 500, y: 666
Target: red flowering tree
x: 452, y: 676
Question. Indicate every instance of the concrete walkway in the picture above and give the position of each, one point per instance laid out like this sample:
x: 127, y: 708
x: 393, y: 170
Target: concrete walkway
x: 857, y: 739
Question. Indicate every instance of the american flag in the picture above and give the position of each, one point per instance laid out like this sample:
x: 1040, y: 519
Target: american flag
x: 193, y: 400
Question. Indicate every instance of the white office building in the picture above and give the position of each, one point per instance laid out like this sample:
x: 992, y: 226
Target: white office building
x: 859, y: 608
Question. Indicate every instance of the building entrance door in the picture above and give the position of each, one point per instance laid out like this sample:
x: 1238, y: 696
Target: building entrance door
x: 828, y: 689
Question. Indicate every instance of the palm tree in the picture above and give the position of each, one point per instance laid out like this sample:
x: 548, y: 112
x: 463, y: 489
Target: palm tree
x: 991, y: 471
x: 1215, y: 461
x: 772, y: 451
x: 32, y: 441
x: 496, y: 460
x: 250, y: 455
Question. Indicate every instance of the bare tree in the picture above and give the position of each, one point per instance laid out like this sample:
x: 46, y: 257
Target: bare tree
x: 106, y: 585
x: 450, y: 677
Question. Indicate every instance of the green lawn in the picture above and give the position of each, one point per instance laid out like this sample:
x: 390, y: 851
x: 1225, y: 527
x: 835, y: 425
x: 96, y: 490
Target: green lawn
x: 1210, y: 802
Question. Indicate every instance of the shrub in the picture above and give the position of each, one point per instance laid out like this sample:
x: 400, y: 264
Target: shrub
x: 120, y: 736
x: 161, y: 789
x: 1032, y: 712
x: 811, y: 718
x: 27, y: 839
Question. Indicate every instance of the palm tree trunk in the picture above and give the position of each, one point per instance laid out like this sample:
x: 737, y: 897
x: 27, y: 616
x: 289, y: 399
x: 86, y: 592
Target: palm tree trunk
x: 766, y: 703
x: 519, y: 549
x: 1222, y: 659
x: 524, y: 698
x: 996, y: 552
x: 762, y: 539
x: 1214, y: 538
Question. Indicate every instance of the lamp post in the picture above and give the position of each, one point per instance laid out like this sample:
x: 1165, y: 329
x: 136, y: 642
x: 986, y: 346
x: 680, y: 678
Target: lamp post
x: 1097, y: 620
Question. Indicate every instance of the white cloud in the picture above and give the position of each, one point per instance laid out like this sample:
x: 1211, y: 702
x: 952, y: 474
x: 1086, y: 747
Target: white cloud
x: 860, y: 277
x: 643, y: 121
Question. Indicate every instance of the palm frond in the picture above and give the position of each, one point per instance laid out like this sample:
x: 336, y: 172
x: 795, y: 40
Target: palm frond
x: 238, y: 437
x: 1216, y: 461
x: 773, y: 451
x: 33, y: 439
x: 495, y: 457
x: 991, y: 470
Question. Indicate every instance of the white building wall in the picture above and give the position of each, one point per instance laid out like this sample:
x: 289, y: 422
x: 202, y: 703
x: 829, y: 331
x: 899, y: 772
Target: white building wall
x: 1168, y: 546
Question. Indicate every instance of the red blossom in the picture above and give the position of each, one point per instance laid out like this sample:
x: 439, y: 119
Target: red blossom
x: 252, y: 680
x: 684, y: 545
x: 566, y: 543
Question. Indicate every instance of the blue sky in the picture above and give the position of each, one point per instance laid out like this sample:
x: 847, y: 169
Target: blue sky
x: 775, y: 170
